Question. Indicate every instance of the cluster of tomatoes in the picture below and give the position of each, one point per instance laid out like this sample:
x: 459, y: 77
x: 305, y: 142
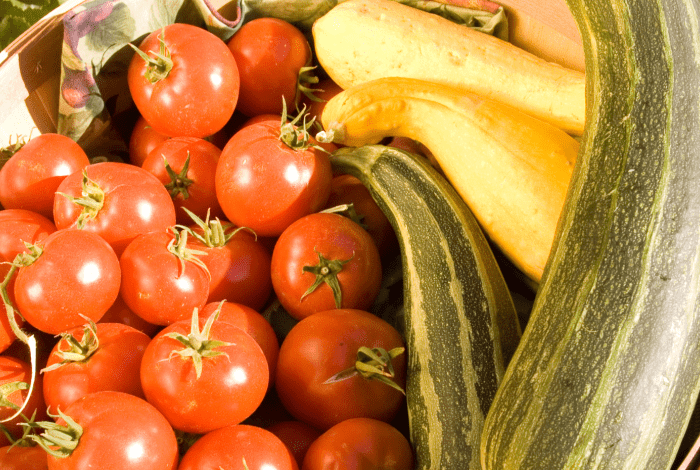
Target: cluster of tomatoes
x: 148, y: 280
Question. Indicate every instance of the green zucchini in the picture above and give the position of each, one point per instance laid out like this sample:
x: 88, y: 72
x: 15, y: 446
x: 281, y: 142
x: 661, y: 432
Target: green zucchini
x: 459, y: 320
x: 608, y: 368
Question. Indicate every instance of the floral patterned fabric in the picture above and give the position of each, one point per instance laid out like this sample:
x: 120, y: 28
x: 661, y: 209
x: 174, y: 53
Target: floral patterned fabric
x: 95, y: 108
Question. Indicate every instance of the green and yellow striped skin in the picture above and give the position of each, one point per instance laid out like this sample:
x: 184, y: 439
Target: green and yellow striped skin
x: 608, y: 369
x: 459, y: 320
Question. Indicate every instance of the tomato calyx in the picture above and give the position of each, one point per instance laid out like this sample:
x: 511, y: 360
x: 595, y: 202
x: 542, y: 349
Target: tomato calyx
x: 198, y: 344
x: 179, y: 182
x: 306, y: 77
x: 372, y: 364
x: 8, y: 389
x: 347, y: 210
x: 326, y: 271
x: 295, y: 135
x: 56, y: 439
x: 8, y: 151
x: 91, y: 200
x: 214, y: 233
x: 78, y: 351
x: 23, y: 259
x: 157, y: 68
x: 178, y: 247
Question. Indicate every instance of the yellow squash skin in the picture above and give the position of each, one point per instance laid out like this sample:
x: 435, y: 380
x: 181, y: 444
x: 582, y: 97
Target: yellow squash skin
x: 362, y: 40
x: 511, y: 169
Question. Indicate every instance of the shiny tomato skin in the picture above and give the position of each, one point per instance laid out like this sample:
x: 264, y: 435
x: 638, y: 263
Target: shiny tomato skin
x: 270, y: 53
x: 320, y: 346
x: 297, y: 436
x: 120, y: 349
x: 135, y: 202
x: 229, y: 446
x: 76, y: 276
x: 335, y: 237
x: 143, y: 139
x: 155, y: 286
x: 18, y: 370
x: 199, y: 94
x: 201, y: 191
x: 360, y: 444
x: 31, y: 176
x: 228, y: 391
x: 265, y: 185
x: 120, y: 431
x: 254, y: 324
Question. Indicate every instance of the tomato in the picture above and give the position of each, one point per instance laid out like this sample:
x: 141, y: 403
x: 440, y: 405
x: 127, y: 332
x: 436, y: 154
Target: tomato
x: 296, y: 435
x: 315, y: 252
x: 16, y: 227
x: 230, y: 446
x: 77, y: 275
x: 31, y: 176
x: 122, y: 201
x: 143, y: 139
x: 18, y: 372
x: 204, y: 377
x: 252, y: 323
x: 162, y: 280
x: 325, y: 344
x: 188, y: 176
x: 91, y: 368
x: 347, y: 189
x: 264, y: 184
x: 119, y: 431
x: 238, y: 263
x: 197, y: 94
x: 270, y: 53
x: 323, y: 92
x: 23, y: 458
x: 360, y: 444
x: 119, y: 312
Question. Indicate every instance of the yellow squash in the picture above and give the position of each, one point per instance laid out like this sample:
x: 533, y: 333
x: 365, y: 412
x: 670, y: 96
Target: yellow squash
x: 511, y: 169
x: 362, y: 40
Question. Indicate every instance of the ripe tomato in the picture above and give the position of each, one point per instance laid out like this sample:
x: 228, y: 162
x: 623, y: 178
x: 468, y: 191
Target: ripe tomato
x: 23, y: 458
x: 270, y: 53
x: 119, y: 431
x: 143, y: 139
x: 196, y: 94
x: 323, y: 249
x: 323, y: 91
x: 18, y: 372
x: 31, y: 176
x: 264, y: 184
x: 77, y: 275
x: 231, y: 446
x: 204, y: 377
x: 91, y: 367
x: 252, y: 323
x: 122, y: 201
x: 296, y: 435
x: 188, y: 176
x: 162, y: 280
x: 360, y: 444
x: 119, y: 312
x: 325, y: 344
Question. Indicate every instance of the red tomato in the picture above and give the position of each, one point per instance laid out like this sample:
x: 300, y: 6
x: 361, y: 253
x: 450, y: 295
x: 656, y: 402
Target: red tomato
x: 192, y: 187
x: 115, y: 347
x: 127, y: 200
x: 119, y: 431
x: 16, y: 227
x: 297, y: 436
x: 265, y: 185
x: 23, y: 458
x: 325, y: 344
x: 229, y: 447
x: 229, y: 385
x: 323, y: 91
x: 197, y: 94
x: 31, y: 176
x: 347, y: 189
x: 252, y: 323
x: 270, y: 54
x: 143, y: 139
x: 119, y: 312
x: 360, y: 444
x: 77, y: 275
x: 13, y: 370
x: 320, y: 249
x: 158, y: 285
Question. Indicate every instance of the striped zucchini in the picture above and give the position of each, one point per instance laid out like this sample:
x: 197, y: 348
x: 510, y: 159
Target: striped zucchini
x: 608, y: 369
x: 459, y: 320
